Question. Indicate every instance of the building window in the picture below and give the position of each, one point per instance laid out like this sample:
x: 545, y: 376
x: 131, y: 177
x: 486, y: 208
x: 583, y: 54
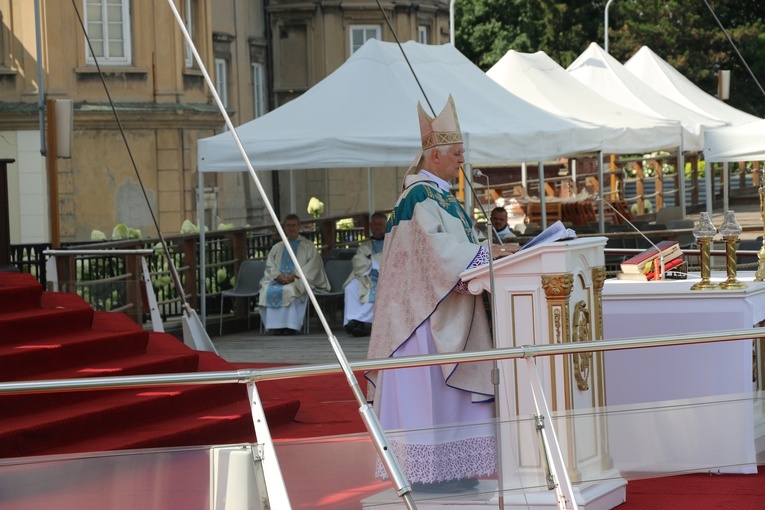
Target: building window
x: 188, y: 20
x: 361, y: 34
x: 4, y: 39
x: 221, y: 80
x: 422, y: 34
x: 258, y: 91
x: 108, y: 25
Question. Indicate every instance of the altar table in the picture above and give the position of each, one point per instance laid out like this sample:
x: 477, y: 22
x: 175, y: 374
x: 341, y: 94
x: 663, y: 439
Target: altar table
x: 680, y: 376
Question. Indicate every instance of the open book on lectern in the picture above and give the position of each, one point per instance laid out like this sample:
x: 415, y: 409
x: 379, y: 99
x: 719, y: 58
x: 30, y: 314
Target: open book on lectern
x: 555, y: 232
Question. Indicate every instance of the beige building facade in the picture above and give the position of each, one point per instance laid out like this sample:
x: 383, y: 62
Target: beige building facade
x: 310, y: 40
x: 259, y: 53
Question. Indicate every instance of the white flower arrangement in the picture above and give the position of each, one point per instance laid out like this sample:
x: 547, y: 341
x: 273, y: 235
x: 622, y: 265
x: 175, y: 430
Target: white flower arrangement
x: 344, y: 224
x: 189, y: 228
x: 122, y: 231
x: 315, y: 207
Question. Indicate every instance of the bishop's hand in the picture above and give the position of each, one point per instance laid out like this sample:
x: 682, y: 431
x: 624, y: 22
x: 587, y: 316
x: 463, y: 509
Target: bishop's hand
x: 504, y: 250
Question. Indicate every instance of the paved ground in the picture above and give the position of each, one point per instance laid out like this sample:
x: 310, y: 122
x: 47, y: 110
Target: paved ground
x: 253, y: 347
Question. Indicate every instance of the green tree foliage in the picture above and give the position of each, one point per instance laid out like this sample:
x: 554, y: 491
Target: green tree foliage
x: 487, y: 29
x: 682, y: 32
x: 686, y: 35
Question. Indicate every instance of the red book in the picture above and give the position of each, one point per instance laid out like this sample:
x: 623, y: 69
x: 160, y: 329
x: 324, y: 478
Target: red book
x: 654, y: 274
x: 636, y: 264
x: 651, y: 274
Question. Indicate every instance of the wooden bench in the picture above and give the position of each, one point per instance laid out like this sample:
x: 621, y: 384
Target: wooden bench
x: 554, y: 212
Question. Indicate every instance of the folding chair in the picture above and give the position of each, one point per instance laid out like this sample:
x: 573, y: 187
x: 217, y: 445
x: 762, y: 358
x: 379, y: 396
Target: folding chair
x: 247, y: 285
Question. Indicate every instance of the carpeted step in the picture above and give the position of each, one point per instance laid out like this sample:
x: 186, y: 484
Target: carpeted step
x: 36, y: 357
x: 132, y: 410
x: 224, y: 424
x: 143, y: 364
x: 50, y: 300
x: 168, y: 355
x: 52, y: 336
x: 19, y: 291
x: 33, y: 324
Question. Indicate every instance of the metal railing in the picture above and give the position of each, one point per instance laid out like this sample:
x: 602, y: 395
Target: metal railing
x: 275, y: 482
x: 100, y: 279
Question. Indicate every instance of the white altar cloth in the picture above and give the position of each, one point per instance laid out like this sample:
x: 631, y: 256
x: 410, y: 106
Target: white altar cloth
x: 684, y: 374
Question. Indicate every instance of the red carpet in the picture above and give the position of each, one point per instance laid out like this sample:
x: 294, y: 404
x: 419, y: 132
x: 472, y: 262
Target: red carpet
x: 327, y: 405
x: 46, y: 335
x: 698, y: 492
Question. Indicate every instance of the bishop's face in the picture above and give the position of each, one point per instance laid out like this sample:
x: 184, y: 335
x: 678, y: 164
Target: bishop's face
x: 449, y: 161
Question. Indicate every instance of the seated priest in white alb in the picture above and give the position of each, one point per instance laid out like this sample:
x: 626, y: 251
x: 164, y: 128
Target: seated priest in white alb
x: 283, y: 299
x: 361, y: 286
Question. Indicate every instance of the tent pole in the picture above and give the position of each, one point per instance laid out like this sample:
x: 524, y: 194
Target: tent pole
x: 542, y: 193
x: 469, y: 176
x: 681, y: 179
x: 726, y: 185
x: 202, y: 261
x: 708, y: 185
x: 451, y: 22
x: 601, y: 220
x: 370, y: 192
x: 293, y: 200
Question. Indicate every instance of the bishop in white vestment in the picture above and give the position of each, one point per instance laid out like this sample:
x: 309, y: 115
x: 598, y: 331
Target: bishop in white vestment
x: 424, y: 308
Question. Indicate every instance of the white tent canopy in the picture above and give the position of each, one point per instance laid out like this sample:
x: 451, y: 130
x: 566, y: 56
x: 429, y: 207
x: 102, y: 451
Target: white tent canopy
x: 364, y: 115
x: 743, y: 142
x: 606, y: 76
x: 669, y: 82
x: 541, y: 81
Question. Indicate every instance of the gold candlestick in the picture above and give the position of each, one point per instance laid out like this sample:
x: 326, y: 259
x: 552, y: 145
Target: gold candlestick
x: 704, y: 231
x: 730, y: 265
x: 706, y: 266
x: 731, y: 230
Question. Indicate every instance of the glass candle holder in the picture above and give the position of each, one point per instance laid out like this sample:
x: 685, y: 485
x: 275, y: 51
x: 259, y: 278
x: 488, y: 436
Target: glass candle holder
x: 704, y: 231
x: 731, y: 231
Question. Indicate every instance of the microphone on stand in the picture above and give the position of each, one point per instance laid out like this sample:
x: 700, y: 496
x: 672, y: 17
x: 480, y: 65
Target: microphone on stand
x: 476, y: 175
x: 661, y: 255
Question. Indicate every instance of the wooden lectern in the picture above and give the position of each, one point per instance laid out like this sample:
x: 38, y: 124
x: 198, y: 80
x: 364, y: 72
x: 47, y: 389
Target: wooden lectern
x: 552, y: 294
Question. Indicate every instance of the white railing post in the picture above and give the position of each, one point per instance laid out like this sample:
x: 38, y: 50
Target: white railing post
x: 156, y: 318
x: 563, y: 488
x: 277, y: 491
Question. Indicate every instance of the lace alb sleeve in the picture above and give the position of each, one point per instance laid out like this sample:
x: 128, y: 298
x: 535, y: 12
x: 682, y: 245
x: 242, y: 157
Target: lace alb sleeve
x: 480, y: 259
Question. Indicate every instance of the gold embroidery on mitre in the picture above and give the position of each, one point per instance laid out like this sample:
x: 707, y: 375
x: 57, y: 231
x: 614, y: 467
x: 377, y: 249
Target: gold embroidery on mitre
x: 443, y: 129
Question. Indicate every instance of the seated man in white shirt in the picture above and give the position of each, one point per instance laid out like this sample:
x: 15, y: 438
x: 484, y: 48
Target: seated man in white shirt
x: 283, y: 297
x: 361, y: 286
x: 499, y: 223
